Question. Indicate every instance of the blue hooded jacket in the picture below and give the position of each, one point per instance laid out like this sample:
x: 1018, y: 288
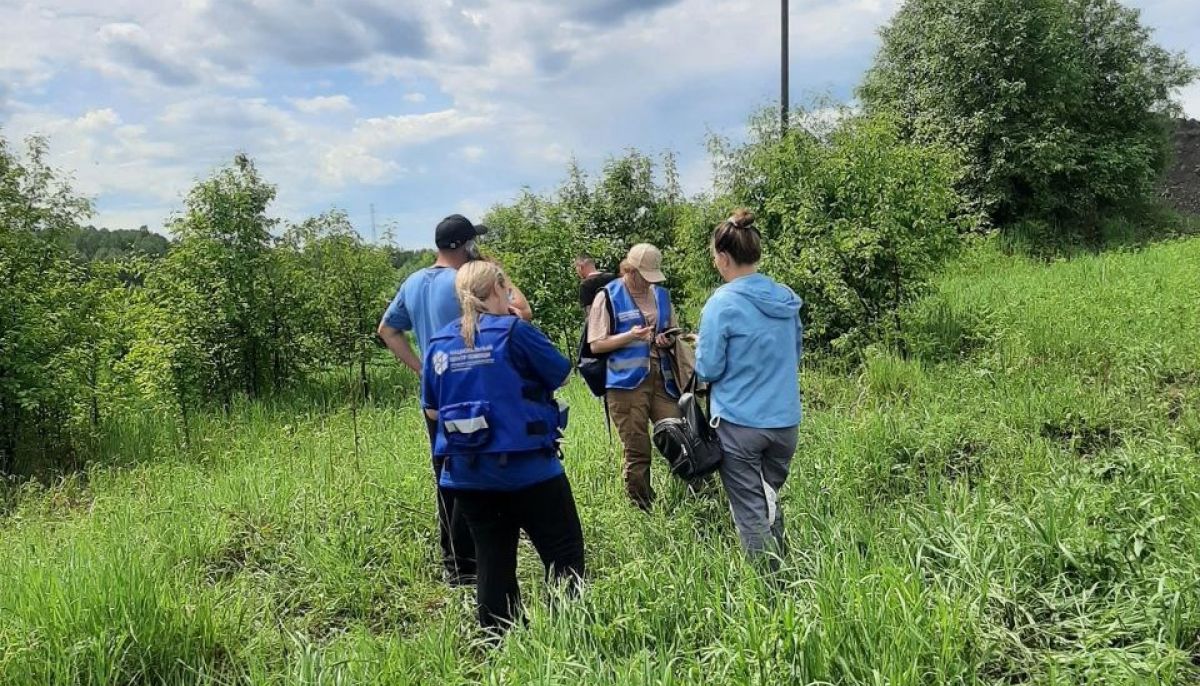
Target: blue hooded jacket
x: 751, y: 340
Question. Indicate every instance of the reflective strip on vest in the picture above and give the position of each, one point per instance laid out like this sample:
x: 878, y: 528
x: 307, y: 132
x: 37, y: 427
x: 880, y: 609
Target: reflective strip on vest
x: 466, y: 426
x: 618, y: 365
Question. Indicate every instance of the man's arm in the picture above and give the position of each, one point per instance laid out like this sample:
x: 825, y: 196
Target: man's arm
x: 397, y: 342
x: 519, y: 305
x: 392, y: 327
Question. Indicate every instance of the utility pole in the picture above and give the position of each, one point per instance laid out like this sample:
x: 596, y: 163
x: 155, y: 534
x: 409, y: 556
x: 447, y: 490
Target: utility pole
x: 374, y: 237
x: 783, y: 68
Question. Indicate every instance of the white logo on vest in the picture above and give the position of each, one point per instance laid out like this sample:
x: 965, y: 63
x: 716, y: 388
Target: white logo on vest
x: 440, y: 362
x: 466, y: 359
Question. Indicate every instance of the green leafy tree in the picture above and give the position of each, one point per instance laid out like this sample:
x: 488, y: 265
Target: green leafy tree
x: 40, y: 305
x: 854, y: 221
x: 347, y: 284
x: 220, y: 277
x: 177, y: 354
x: 537, y: 242
x: 1059, y: 108
x: 100, y: 339
x: 538, y: 236
x: 406, y: 262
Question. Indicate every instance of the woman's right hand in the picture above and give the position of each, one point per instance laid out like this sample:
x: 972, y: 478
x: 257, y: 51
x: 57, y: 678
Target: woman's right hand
x: 640, y: 333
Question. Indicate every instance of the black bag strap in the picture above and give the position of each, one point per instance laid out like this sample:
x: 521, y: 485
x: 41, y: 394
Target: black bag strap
x: 607, y: 417
x: 611, y: 310
x: 585, y: 348
x: 691, y: 384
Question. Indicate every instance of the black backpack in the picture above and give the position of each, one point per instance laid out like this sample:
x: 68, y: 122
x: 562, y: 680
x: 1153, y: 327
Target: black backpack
x: 593, y: 367
x: 690, y: 444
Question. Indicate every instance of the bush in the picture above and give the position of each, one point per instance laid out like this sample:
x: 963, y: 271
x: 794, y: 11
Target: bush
x: 43, y: 301
x: 538, y: 237
x: 1059, y: 108
x: 854, y: 220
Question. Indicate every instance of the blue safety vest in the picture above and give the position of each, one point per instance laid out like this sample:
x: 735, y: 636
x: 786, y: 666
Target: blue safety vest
x: 628, y: 366
x: 485, y: 406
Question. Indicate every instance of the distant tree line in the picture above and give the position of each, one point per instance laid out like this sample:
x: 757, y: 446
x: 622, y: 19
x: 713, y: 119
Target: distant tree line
x: 91, y: 243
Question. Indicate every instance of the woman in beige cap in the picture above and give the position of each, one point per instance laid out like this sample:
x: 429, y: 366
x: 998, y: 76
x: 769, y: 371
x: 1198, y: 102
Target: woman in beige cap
x: 631, y: 319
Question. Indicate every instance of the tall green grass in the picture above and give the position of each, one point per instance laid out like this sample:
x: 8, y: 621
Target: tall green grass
x: 1015, y: 502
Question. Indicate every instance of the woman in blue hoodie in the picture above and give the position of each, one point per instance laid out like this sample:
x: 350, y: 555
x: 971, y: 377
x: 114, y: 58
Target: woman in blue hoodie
x: 749, y: 352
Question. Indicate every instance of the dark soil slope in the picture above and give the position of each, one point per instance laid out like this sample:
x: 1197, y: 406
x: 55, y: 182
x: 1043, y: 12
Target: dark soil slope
x: 1181, y: 183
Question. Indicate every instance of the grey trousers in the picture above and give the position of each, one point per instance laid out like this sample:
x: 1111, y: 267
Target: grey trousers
x: 753, y: 471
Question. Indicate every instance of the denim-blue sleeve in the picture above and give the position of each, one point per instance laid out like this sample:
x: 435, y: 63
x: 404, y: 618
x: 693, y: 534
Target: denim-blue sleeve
x: 537, y: 356
x: 710, y: 352
x: 396, y: 315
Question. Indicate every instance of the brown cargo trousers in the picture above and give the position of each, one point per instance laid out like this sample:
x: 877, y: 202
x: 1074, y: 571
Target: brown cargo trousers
x: 632, y: 411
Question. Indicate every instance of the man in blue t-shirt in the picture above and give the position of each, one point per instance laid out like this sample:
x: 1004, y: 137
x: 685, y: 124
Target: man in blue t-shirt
x: 425, y: 303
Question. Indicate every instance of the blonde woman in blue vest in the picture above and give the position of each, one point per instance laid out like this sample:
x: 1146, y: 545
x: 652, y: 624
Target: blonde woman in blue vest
x: 629, y: 320
x: 488, y: 382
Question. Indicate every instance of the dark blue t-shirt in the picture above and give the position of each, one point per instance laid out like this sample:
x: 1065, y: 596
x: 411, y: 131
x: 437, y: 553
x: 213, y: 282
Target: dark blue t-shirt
x: 535, y: 358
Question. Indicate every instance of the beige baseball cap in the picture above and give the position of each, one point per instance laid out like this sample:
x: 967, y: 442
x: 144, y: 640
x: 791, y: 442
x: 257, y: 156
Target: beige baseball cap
x: 647, y: 260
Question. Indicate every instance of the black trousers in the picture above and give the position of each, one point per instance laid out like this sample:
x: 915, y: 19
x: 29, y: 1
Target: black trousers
x: 458, y: 549
x: 546, y: 512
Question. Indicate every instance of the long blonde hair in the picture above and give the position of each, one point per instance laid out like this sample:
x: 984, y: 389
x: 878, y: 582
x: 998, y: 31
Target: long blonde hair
x: 473, y: 285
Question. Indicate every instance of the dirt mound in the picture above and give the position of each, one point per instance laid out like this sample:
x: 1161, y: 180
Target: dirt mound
x: 1181, y: 183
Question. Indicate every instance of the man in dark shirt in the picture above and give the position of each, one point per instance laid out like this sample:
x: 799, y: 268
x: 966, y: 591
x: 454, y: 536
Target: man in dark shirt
x: 591, y: 281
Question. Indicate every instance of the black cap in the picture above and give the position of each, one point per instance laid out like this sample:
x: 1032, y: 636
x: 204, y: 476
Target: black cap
x: 454, y: 231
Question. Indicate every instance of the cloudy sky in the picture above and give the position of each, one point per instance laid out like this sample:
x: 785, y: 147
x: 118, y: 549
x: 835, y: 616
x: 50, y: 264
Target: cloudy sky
x: 420, y: 107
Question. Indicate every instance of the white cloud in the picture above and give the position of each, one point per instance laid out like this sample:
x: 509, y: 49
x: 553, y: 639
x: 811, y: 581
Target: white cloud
x: 472, y: 153
x: 98, y: 120
x: 530, y: 84
x: 364, y: 154
x: 34, y: 40
x: 409, y: 129
x: 353, y: 164
x: 322, y: 104
x: 553, y: 154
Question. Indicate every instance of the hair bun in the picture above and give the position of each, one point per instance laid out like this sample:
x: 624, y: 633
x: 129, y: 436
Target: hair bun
x: 742, y: 219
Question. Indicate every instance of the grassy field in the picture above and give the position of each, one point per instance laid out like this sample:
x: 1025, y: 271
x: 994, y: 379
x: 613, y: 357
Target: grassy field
x: 1017, y: 502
